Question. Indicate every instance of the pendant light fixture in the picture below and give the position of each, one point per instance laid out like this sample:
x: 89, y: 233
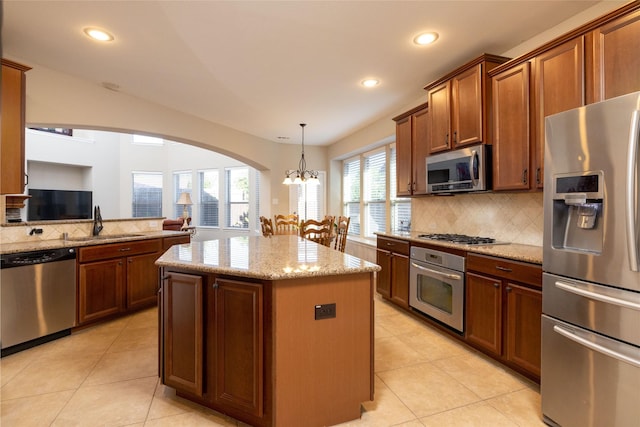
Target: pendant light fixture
x: 301, y: 175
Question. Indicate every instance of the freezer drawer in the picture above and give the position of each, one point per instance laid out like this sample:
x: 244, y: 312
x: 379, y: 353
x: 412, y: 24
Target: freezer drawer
x: 588, y: 379
x: 610, y: 311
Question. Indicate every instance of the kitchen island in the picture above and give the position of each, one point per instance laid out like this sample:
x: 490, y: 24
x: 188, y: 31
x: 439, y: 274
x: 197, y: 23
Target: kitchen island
x: 272, y: 331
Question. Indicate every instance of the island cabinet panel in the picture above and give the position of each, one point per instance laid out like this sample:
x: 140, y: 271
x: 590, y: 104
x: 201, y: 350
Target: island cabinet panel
x: 182, y: 332
x: 503, y: 311
x: 236, y: 338
x: 511, y: 128
x: 322, y: 367
x: 393, y: 280
x: 615, y: 61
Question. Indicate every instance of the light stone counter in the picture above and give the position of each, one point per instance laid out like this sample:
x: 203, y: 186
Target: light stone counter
x: 514, y: 251
x: 38, y: 245
x: 267, y: 258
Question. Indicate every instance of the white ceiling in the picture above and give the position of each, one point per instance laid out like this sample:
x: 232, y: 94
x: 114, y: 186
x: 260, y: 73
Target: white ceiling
x: 263, y: 67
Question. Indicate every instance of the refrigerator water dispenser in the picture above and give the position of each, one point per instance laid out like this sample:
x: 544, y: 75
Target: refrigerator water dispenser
x: 578, y: 206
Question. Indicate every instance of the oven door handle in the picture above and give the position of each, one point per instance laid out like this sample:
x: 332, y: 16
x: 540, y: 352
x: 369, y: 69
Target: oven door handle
x: 447, y: 275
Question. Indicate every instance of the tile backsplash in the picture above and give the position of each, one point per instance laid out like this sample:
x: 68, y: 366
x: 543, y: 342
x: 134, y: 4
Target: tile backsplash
x: 19, y: 232
x: 512, y: 217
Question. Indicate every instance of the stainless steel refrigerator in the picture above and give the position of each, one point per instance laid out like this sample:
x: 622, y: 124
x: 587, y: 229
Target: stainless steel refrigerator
x: 591, y: 282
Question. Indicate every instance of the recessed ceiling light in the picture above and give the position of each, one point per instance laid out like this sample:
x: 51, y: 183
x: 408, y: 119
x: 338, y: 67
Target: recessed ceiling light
x: 98, y: 34
x: 425, y: 38
x: 370, y: 82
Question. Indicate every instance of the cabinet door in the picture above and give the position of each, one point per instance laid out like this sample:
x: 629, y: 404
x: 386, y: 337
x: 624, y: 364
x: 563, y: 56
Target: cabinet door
x: 616, y: 61
x: 400, y: 279
x: 420, y: 150
x: 511, y: 127
x: 142, y: 280
x: 182, y: 324
x: 560, y: 86
x: 238, y: 343
x: 403, y: 157
x: 383, y: 277
x: 523, y: 333
x: 100, y: 289
x: 484, y: 313
x: 466, y: 107
x: 439, y: 118
x: 12, y: 130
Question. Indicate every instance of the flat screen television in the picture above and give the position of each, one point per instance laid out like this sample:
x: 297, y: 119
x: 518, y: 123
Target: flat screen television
x: 47, y: 205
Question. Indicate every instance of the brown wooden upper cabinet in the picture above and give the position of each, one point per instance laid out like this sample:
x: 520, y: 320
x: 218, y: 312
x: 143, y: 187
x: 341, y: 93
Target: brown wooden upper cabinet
x: 411, y: 151
x: 12, y: 124
x: 594, y: 62
x: 459, y: 105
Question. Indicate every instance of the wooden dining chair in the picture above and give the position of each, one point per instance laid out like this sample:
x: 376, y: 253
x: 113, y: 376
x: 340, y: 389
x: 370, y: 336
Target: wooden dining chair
x: 342, y: 228
x: 317, y: 231
x: 267, y: 226
x: 286, y: 224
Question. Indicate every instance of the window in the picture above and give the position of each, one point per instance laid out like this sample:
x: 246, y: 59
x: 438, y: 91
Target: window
x: 375, y: 192
x: 351, y: 194
x: 371, y: 210
x: 308, y: 200
x: 181, y: 184
x: 147, y: 194
x: 147, y: 140
x: 237, y: 197
x: 209, y: 181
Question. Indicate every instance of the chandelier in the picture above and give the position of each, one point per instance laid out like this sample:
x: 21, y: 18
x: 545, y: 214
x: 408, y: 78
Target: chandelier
x: 301, y: 175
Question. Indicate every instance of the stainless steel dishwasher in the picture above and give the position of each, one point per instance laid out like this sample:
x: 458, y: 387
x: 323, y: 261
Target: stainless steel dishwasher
x: 37, y: 297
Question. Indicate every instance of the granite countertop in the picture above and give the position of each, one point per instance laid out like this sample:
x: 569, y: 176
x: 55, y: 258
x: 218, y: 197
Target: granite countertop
x: 514, y: 251
x: 38, y: 245
x: 267, y: 258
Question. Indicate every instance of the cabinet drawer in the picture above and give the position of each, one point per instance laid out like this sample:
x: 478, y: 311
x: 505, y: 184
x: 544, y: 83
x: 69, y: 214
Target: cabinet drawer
x: 116, y: 250
x: 530, y: 274
x: 393, y: 245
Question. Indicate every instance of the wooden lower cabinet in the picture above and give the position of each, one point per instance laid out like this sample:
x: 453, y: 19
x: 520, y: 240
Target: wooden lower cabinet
x: 116, y: 278
x: 393, y: 280
x: 503, y: 315
x: 100, y: 290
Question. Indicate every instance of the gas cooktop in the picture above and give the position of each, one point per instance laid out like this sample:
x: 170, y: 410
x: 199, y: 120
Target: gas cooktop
x: 462, y: 239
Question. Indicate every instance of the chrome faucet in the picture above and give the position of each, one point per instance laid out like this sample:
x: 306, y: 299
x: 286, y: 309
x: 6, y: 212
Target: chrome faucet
x: 97, y: 221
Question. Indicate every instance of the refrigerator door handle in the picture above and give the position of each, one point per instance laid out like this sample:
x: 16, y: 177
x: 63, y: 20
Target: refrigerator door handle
x: 632, y: 191
x: 569, y: 334
x: 575, y: 289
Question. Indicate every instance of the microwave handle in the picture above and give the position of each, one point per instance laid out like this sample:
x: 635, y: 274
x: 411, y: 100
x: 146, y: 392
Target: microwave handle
x: 472, y: 159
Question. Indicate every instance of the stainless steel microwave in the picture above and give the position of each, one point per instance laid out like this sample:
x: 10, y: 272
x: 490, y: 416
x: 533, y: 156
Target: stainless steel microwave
x: 461, y: 170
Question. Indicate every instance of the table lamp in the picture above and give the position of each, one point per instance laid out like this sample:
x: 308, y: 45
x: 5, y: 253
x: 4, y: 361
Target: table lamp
x: 185, y: 200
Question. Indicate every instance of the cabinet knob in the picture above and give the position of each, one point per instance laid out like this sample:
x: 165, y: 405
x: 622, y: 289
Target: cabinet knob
x: 496, y: 285
x: 446, y: 139
x: 537, y: 175
x: 455, y: 136
x: 215, y: 285
x: 129, y: 261
x: 524, y: 176
x: 509, y: 288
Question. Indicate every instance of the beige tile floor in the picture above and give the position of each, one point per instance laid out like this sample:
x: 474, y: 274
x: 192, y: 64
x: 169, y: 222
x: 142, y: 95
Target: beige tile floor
x: 107, y: 376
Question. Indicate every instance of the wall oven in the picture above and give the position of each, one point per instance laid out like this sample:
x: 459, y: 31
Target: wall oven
x: 436, y: 286
x: 462, y: 170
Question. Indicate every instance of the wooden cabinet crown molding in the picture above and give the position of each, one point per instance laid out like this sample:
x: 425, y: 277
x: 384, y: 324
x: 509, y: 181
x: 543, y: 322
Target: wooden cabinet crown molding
x: 15, y: 65
x: 577, y: 32
x: 487, y: 57
x: 410, y: 112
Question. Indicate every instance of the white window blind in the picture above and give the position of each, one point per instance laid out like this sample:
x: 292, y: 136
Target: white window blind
x: 308, y: 200
x: 181, y: 184
x: 375, y: 192
x: 237, y: 197
x: 400, y: 206
x: 146, y: 194
x: 209, y: 197
x: 351, y: 194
